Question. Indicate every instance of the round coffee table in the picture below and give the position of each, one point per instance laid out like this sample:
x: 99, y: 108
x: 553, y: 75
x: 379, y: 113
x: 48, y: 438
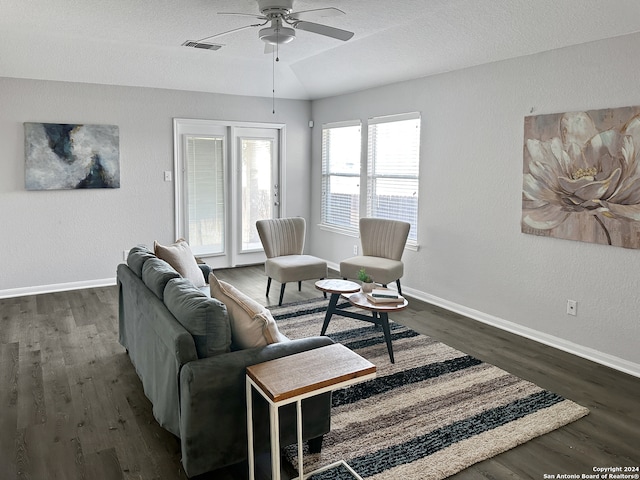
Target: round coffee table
x: 336, y: 286
x: 379, y: 311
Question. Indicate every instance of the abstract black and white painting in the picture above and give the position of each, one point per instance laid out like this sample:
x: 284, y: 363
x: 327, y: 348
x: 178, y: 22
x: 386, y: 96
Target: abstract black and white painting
x: 60, y: 156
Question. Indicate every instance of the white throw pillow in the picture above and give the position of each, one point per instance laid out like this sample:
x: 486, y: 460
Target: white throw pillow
x: 252, y: 325
x: 180, y: 257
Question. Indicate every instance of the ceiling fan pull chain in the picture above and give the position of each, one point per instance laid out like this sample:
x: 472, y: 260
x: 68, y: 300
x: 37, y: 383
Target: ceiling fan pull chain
x: 278, y: 43
x: 276, y: 54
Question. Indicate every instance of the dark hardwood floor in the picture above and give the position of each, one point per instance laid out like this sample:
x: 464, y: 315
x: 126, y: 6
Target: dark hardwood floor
x: 72, y: 406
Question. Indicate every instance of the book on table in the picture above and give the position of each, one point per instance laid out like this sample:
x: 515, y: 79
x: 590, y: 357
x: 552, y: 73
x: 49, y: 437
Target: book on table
x: 384, y: 293
x: 396, y: 300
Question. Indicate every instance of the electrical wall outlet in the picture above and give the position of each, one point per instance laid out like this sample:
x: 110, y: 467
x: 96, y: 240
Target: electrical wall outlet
x: 355, y: 249
x: 572, y: 307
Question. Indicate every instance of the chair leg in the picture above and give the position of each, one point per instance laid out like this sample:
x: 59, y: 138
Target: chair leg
x: 398, y: 285
x: 268, y: 285
x: 281, y: 293
x: 299, y: 286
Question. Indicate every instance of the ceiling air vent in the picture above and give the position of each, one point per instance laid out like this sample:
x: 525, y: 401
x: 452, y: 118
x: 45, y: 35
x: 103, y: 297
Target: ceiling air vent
x: 205, y: 46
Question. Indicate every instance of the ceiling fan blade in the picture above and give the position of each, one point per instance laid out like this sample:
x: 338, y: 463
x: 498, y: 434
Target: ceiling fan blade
x: 315, y: 13
x: 259, y: 17
x: 324, y: 30
x: 231, y: 31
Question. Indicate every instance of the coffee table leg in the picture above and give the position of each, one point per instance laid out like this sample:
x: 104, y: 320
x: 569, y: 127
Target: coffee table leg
x: 333, y: 301
x: 384, y: 321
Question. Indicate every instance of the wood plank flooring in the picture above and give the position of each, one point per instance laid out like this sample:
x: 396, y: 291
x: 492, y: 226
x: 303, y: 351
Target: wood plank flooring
x: 72, y: 406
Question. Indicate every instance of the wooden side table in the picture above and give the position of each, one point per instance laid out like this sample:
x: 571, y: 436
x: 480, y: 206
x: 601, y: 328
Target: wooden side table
x: 351, y: 290
x: 296, y: 377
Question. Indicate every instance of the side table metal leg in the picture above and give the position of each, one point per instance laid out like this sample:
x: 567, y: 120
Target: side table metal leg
x: 252, y: 472
x: 333, y: 301
x: 384, y: 320
x: 274, y: 424
x: 300, y: 445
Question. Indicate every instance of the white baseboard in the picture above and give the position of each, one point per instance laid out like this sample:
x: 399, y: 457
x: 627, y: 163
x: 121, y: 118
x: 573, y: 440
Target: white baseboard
x: 535, y: 335
x: 58, y: 287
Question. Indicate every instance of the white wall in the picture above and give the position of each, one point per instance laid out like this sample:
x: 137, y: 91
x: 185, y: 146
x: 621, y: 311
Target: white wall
x: 473, y: 257
x: 64, y: 239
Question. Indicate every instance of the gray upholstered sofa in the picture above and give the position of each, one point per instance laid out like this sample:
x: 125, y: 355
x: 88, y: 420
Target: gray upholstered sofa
x: 196, y: 386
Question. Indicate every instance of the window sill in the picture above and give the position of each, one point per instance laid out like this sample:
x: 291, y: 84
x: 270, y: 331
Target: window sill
x: 413, y: 246
x: 342, y: 231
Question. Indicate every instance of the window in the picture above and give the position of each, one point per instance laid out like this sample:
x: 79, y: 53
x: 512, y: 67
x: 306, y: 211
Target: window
x: 393, y: 159
x: 387, y: 181
x: 341, y: 175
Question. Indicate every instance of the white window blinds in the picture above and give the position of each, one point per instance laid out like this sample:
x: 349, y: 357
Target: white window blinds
x: 205, y: 193
x: 393, y: 160
x: 340, y: 206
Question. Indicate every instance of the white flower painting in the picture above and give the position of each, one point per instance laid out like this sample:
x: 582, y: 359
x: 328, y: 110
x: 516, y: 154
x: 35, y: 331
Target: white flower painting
x: 582, y: 176
x: 71, y: 156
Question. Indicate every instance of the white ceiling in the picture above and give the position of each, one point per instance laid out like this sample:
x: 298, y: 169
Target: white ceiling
x: 138, y: 43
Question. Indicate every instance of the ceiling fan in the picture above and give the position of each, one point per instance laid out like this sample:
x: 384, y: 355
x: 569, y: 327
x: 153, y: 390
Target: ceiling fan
x: 282, y: 24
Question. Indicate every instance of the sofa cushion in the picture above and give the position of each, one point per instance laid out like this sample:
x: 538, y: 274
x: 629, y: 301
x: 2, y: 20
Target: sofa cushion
x: 203, y: 317
x: 156, y: 274
x: 180, y: 257
x: 252, y: 325
x: 136, y: 258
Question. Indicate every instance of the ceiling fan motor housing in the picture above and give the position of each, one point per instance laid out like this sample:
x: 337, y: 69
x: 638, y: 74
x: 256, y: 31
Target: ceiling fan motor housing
x: 277, y: 35
x: 275, y: 8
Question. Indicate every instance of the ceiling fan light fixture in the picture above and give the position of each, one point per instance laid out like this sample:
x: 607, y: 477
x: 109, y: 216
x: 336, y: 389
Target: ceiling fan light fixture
x: 277, y: 35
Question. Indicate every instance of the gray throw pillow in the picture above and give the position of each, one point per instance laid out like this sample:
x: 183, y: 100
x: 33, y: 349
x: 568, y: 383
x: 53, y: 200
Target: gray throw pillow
x: 156, y: 274
x: 204, y: 318
x: 136, y: 258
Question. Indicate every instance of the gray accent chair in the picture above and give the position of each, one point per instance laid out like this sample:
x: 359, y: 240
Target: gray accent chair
x: 283, y: 242
x: 383, y: 243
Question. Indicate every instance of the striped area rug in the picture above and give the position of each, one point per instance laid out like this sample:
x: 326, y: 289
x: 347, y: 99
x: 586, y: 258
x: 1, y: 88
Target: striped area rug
x: 434, y: 412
